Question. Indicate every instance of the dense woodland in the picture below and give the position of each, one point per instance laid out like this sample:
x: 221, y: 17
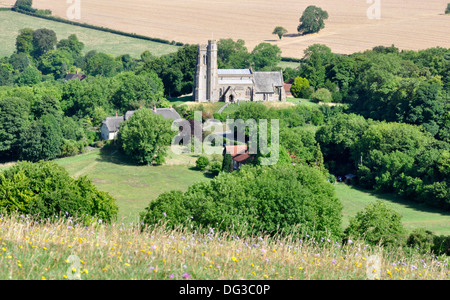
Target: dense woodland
x: 392, y: 128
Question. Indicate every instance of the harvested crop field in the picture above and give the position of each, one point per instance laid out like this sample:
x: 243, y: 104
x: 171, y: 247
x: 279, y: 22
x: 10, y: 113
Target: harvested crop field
x: 414, y: 24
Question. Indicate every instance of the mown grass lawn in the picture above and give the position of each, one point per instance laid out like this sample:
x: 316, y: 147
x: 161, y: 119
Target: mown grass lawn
x: 11, y: 22
x: 413, y: 215
x: 134, y: 187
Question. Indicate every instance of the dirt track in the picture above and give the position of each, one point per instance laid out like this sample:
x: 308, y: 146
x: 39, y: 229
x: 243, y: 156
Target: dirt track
x: 414, y: 24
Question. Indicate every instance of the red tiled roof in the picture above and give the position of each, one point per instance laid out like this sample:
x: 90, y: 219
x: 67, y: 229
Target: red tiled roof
x: 241, y: 157
x: 236, y: 150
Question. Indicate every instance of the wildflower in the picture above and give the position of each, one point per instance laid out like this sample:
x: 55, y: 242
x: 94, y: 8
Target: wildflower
x: 164, y: 214
x: 186, y: 276
x: 234, y: 259
x: 171, y: 276
x: 43, y: 278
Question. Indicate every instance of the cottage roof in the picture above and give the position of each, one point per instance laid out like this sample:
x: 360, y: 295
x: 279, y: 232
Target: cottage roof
x: 265, y: 82
x: 72, y: 76
x: 113, y: 123
x: 168, y: 113
x: 236, y: 149
x: 241, y: 157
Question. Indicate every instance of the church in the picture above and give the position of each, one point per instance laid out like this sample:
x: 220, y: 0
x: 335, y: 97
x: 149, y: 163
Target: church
x: 212, y: 84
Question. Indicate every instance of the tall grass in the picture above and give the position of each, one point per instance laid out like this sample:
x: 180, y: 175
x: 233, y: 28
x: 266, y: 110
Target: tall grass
x: 32, y: 249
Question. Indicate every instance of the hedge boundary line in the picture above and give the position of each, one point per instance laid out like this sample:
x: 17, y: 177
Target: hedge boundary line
x: 90, y: 26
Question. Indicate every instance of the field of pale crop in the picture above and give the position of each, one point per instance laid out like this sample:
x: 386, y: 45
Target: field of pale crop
x: 413, y: 24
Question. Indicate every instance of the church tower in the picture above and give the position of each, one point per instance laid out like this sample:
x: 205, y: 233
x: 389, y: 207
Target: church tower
x: 212, y: 73
x: 200, y: 75
x: 206, y: 74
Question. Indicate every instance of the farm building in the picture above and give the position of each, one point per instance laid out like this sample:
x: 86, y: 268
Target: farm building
x: 212, y: 84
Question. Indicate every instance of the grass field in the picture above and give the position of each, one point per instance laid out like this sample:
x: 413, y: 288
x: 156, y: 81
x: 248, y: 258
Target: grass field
x: 412, y: 25
x: 135, y: 186
x: 12, y: 22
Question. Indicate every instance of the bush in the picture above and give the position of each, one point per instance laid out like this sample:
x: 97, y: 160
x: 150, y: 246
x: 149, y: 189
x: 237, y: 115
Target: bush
x: 322, y: 95
x: 202, y: 163
x: 421, y: 239
x: 447, y: 10
x: 377, y: 225
x: 258, y: 199
x: 216, y: 168
x: 45, y: 189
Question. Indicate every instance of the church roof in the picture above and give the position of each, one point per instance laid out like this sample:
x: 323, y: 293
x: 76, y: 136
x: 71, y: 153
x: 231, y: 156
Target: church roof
x: 234, y: 72
x: 266, y: 81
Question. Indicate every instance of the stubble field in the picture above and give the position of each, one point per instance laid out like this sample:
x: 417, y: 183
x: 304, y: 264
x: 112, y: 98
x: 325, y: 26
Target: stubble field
x: 412, y: 25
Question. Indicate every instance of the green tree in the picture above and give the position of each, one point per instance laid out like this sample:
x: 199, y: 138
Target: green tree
x: 378, y: 224
x: 45, y: 189
x: 134, y: 91
x: 233, y: 54
x: 6, y: 74
x: 56, y: 62
x: 265, y: 56
x: 301, y: 88
x: 447, y: 10
x: 312, y: 20
x: 24, y: 5
x: 318, y: 59
x: 269, y: 200
x: 24, y: 41
x: 42, y: 140
x: 44, y: 40
x: 29, y: 76
x: 280, y: 31
x: 146, y: 136
x: 102, y: 64
x: 71, y: 44
x: 14, y: 119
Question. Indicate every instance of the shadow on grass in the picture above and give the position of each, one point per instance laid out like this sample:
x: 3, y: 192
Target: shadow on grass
x: 113, y: 155
x: 401, y: 201
x: 206, y: 173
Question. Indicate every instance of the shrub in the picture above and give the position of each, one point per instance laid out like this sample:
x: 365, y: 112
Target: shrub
x: 421, y: 239
x: 202, y: 163
x: 256, y: 199
x: 447, y: 10
x: 377, y: 225
x: 216, y: 167
x: 45, y: 189
x: 322, y: 95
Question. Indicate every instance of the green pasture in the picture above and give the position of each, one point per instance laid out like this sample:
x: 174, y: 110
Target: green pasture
x: 135, y: 187
x: 11, y: 22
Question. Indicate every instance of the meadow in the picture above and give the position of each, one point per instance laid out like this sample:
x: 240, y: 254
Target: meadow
x: 12, y: 22
x: 135, y: 187
x: 64, y: 250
